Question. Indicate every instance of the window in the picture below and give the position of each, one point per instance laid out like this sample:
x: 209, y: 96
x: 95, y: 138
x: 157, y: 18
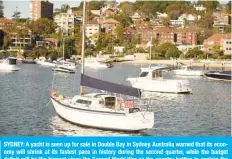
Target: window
x: 144, y: 74
x: 86, y: 102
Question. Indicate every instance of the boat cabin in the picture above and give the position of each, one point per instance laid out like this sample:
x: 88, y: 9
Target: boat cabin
x: 97, y: 100
x: 150, y: 73
x: 11, y: 61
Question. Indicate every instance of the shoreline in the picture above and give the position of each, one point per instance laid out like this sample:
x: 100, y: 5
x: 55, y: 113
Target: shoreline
x: 210, y: 64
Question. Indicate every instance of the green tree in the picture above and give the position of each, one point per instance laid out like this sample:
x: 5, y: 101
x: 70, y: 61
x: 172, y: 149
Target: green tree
x: 204, y: 34
x: 163, y: 48
x: 165, y: 21
x: 119, y: 33
x: 210, y: 5
x: 206, y: 21
x: 228, y: 29
x: 228, y: 7
x: 65, y: 8
x: 1, y: 9
x: 16, y: 15
x: 194, y: 53
x: 128, y: 8
x: 42, y: 26
x: 173, y: 53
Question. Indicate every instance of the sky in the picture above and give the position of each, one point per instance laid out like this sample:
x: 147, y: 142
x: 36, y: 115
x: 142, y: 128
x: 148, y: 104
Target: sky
x: 24, y: 6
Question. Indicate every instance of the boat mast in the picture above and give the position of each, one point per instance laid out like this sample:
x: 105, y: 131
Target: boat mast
x: 150, y: 50
x: 63, y: 49
x: 83, y: 45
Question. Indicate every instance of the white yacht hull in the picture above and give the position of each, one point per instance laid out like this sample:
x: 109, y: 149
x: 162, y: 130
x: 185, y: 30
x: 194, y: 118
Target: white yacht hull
x: 95, y: 66
x: 48, y: 64
x: 104, y: 120
x: 189, y: 72
x: 70, y: 67
x: 6, y: 67
x: 163, y: 86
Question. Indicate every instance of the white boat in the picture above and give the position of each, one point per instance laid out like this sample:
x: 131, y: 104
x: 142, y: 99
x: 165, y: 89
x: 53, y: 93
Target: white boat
x: 63, y: 69
x: 47, y: 63
x: 187, y: 71
x: 67, y: 65
x: 151, y: 79
x: 95, y: 64
x: 101, y: 110
x: 9, y: 64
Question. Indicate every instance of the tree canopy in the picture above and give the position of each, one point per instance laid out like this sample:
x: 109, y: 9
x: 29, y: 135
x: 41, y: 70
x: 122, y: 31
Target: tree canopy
x: 1, y: 9
x: 42, y: 26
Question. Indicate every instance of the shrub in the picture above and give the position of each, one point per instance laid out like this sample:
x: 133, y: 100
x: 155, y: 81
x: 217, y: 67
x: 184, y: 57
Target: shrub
x: 182, y: 56
x: 172, y: 53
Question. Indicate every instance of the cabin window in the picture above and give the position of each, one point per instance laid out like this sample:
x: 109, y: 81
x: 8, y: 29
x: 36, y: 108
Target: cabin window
x: 12, y: 61
x: 156, y: 74
x: 110, y: 102
x: 144, y: 74
x: 86, y: 102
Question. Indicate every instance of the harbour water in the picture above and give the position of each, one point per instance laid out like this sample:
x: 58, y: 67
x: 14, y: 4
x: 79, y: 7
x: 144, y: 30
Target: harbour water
x: 25, y: 108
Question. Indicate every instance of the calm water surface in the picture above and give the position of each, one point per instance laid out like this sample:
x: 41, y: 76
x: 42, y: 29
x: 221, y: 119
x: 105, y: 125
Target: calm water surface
x: 25, y: 107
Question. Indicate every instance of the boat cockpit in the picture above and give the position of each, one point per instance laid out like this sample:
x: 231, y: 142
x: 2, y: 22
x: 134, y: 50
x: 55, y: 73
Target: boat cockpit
x: 152, y: 74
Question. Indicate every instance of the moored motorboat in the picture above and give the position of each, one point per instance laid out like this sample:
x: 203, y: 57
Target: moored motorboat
x: 9, y: 64
x: 95, y: 64
x: 151, y: 79
x: 28, y: 61
x: 188, y: 71
x: 47, y: 63
x: 219, y: 75
x: 63, y: 69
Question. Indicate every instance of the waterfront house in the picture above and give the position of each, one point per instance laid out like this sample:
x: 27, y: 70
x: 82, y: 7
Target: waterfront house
x: 109, y: 25
x: 219, y: 39
x: 47, y: 43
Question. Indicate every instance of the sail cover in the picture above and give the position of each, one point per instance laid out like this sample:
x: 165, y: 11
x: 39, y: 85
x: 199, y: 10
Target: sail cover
x: 108, y: 86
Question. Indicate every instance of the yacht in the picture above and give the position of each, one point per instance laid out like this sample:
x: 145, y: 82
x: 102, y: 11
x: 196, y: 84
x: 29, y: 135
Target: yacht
x: 219, y: 75
x: 46, y: 63
x: 188, y: 71
x: 102, y: 110
x: 151, y: 79
x: 95, y: 64
x: 9, y: 64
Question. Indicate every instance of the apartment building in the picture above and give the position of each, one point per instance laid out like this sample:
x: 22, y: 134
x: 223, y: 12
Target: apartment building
x: 65, y: 22
x: 41, y: 9
x: 221, y: 21
x: 92, y: 29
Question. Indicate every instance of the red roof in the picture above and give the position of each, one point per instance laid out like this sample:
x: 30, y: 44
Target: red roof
x: 5, y: 20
